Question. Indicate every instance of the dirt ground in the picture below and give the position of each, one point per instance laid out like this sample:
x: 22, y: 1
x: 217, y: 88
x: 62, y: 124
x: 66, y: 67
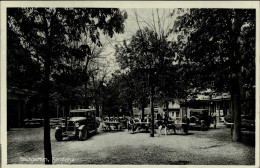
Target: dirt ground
x: 212, y: 147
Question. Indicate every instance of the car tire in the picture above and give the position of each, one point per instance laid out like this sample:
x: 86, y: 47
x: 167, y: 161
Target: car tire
x: 83, y: 134
x: 58, y: 135
x: 96, y: 131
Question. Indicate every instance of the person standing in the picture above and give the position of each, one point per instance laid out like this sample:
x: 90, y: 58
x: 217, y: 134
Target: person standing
x: 165, y: 123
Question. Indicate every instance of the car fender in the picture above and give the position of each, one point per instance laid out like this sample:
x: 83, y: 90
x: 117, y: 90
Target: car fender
x: 81, y: 127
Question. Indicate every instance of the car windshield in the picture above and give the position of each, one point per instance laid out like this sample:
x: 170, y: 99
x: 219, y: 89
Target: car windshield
x: 199, y: 113
x: 194, y: 113
x: 78, y: 114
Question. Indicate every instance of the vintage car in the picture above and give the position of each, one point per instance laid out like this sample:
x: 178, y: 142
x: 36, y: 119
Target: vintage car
x: 200, y: 118
x: 247, y: 123
x: 80, y: 124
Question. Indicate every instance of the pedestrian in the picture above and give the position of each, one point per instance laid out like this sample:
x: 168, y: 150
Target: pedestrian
x: 166, y: 122
x: 131, y: 123
x: 187, y: 123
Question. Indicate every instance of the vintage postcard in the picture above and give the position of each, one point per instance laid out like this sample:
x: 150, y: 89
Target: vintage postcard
x: 130, y: 83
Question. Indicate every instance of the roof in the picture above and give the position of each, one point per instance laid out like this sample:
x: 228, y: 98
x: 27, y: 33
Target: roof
x: 198, y: 110
x: 81, y: 110
x: 147, y: 111
x: 214, y: 97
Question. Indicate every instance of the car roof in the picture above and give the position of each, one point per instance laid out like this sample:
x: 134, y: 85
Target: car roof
x: 198, y: 110
x: 81, y: 110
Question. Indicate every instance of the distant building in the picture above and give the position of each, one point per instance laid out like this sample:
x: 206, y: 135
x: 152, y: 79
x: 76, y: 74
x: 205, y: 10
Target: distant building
x: 159, y: 111
x: 219, y: 105
x: 16, y: 107
x: 174, y: 109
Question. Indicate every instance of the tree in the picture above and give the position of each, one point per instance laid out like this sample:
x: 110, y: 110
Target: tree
x: 48, y: 34
x: 22, y: 71
x: 96, y: 86
x: 147, y: 52
x: 221, y: 44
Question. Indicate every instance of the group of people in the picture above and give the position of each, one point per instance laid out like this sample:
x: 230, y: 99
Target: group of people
x: 135, y: 124
x: 112, y: 123
x: 167, y: 123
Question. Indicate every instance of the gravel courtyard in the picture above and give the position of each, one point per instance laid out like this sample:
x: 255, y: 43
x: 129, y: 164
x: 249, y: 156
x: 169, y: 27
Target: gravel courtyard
x: 212, y: 147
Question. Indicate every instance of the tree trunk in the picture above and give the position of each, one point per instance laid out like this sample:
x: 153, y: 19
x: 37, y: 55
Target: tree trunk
x: 152, y: 109
x: 67, y: 111
x: 236, y: 81
x: 46, y: 107
x: 167, y: 108
x: 236, y: 109
x: 186, y: 108
x: 232, y: 109
x: 97, y: 110
x: 143, y: 106
x: 131, y: 108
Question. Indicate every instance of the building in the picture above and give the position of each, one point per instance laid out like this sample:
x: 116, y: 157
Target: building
x: 219, y: 105
x: 16, y: 108
x: 174, y: 111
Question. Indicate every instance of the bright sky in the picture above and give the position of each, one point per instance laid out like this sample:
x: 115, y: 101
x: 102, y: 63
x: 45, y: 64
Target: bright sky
x: 146, y: 18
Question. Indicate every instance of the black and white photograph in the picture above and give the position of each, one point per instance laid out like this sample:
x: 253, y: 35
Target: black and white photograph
x: 130, y: 85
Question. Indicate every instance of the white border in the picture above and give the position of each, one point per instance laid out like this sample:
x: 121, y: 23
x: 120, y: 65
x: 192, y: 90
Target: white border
x: 120, y: 4
x: 134, y: 4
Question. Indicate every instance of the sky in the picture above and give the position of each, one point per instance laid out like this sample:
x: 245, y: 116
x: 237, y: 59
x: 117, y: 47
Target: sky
x: 146, y: 18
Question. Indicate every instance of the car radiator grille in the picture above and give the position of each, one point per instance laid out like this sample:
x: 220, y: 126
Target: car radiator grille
x: 70, y: 126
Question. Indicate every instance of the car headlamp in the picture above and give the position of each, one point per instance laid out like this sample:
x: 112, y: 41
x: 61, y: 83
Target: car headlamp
x: 76, y: 124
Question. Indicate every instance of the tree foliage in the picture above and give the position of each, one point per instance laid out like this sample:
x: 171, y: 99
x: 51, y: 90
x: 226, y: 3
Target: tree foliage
x: 221, y: 44
x: 209, y: 44
x: 23, y: 72
x: 54, y: 35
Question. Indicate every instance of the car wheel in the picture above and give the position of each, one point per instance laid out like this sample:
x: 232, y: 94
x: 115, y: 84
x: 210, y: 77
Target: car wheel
x: 58, y: 135
x: 83, y: 134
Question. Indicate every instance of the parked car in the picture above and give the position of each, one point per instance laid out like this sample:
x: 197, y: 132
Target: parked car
x: 80, y: 124
x: 200, y: 118
x: 247, y: 123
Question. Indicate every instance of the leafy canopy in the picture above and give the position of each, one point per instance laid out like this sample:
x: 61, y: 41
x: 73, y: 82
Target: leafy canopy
x: 208, y: 39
